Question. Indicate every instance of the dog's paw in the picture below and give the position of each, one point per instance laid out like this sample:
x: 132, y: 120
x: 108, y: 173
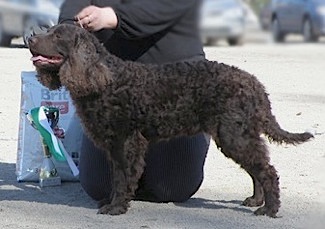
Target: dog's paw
x: 112, y: 210
x: 252, y: 202
x: 103, y: 202
x: 266, y: 211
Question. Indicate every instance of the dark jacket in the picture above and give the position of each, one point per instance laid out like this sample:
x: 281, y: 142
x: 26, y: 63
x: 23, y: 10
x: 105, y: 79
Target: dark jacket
x: 149, y: 31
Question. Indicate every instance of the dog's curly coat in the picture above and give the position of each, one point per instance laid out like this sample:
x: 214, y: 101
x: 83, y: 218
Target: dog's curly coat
x: 124, y: 105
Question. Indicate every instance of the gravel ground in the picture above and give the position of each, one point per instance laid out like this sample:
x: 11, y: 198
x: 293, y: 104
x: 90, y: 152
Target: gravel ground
x: 294, y: 75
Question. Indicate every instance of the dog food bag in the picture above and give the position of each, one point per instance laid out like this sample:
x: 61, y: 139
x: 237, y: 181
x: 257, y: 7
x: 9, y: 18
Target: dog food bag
x: 30, y: 152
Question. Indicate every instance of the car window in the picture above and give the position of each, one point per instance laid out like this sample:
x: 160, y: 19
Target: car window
x: 27, y: 2
x: 57, y: 3
x: 223, y: 3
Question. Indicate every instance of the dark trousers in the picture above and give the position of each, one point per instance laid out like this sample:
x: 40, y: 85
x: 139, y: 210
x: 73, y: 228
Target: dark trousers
x: 173, y: 172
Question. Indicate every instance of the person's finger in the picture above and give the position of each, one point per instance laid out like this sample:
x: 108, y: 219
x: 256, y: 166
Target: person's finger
x: 86, y: 16
x: 85, y: 12
x: 85, y: 22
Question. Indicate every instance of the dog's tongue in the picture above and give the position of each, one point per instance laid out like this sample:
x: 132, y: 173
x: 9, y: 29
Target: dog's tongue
x: 44, y: 59
x: 39, y: 58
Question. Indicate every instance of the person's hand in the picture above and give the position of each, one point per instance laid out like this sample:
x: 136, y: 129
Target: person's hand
x: 94, y: 18
x: 59, y: 132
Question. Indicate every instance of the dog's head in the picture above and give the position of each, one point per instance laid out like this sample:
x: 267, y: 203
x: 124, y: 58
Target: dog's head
x: 58, y: 50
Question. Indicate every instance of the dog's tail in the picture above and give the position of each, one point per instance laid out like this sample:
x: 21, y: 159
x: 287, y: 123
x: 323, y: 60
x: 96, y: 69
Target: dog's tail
x: 275, y: 133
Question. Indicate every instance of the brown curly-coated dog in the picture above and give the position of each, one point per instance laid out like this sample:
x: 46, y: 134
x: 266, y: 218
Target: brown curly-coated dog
x: 124, y: 105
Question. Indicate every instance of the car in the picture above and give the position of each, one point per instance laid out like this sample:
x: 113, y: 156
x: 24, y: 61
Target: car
x: 305, y: 17
x: 21, y: 18
x: 222, y: 19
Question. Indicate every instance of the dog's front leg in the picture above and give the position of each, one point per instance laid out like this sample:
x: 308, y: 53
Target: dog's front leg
x: 127, y: 167
x: 117, y: 204
x: 135, y: 148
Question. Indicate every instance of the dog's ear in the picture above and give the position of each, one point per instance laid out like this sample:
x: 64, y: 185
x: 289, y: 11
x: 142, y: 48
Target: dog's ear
x: 84, y: 72
x: 83, y: 50
x: 76, y: 40
x: 79, y: 36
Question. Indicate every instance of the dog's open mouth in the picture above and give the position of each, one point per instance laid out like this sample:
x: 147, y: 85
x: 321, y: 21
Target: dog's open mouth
x: 41, y: 60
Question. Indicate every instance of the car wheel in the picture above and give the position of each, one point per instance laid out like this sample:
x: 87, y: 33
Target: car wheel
x: 233, y: 41
x: 5, y: 39
x: 278, y: 35
x: 307, y: 32
x: 210, y: 41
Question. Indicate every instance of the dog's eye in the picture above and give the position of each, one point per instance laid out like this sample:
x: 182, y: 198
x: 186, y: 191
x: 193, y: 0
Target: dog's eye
x: 57, y: 36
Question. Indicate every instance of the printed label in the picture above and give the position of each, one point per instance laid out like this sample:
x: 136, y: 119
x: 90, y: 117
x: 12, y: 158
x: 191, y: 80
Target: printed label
x: 62, y: 106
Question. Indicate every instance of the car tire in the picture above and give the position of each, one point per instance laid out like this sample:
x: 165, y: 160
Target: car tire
x: 233, y: 41
x: 278, y: 35
x: 210, y: 41
x: 5, y: 39
x: 307, y: 31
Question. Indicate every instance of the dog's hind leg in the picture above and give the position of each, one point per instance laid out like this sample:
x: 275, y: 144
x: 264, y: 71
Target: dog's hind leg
x: 248, y: 150
x: 258, y: 195
x: 267, y: 176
